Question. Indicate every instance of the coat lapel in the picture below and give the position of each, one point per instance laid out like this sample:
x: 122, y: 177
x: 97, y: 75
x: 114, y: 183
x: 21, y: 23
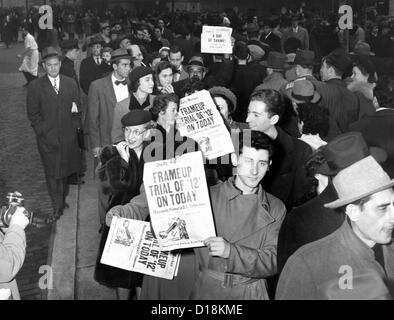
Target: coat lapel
x: 109, y: 91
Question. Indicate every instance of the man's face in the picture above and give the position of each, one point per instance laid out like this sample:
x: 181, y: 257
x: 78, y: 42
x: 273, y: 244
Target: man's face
x: 165, y: 77
x: 157, y: 33
x: 124, y: 43
x: 160, y: 23
x: 251, y: 167
x: 52, y: 66
x: 324, y: 71
x: 170, y: 114
x: 135, y: 135
x: 73, y: 54
x: 137, y: 54
x: 96, y: 49
x: 376, y: 219
x: 140, y: 34
x: 196, y: 72
x: 107, y: 56
x: 267, y: 30
x: 357, y: 75
x: 258, y: 119
x: 176, y: 59
x: 123, y: 68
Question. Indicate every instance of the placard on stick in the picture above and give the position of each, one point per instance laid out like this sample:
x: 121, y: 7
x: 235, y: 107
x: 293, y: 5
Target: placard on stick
x: 216, y: 40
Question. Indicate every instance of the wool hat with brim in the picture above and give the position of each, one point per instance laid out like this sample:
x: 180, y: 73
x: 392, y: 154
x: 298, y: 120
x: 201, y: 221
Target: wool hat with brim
x: 346, y: 149
x: 139, y: 72
x: 276, y: 60
x: 196, y: 61
x: 362, y: 48
x: 222, y: 91
x: 120, y: 54
x: 304, y: 57
x: 49, y: 52
x: 302, y: 91
x: 360, y: 180
x: 136, y: 117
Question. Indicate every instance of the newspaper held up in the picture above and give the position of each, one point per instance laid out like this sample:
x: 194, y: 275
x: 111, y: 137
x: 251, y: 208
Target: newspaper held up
x: 131, y: 246
x: 216, y: 39
x: 178, y: 200
x: 202, y: 122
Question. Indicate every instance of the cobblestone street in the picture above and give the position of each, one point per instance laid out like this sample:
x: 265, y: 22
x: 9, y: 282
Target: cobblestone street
x: 21, y: 170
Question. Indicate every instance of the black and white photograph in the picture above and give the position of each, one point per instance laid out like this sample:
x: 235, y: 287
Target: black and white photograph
x: 199, y: 154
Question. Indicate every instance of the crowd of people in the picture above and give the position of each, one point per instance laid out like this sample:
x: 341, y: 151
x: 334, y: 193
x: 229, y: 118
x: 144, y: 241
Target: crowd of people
x: 312, y: 190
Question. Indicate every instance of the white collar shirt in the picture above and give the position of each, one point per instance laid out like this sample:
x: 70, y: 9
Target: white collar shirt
x: 53, y: 80
x: 121, y: 90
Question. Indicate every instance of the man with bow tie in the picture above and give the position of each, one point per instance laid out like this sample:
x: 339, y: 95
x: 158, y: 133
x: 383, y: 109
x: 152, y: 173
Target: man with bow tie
x: 103, y: 95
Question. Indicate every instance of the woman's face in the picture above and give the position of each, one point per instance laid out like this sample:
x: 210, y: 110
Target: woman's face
x: 170, y: 114
x: 165, y: 77
x: 146, y: 84
x: 358, y: 76
x: 223, y: 107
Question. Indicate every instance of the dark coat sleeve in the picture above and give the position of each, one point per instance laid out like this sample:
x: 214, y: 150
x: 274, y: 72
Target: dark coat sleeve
x: 34, y: 112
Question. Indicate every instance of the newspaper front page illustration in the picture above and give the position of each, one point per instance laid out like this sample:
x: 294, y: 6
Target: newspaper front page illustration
x: 202, y: 122
x: 178, y: 200
x: 131, y: 246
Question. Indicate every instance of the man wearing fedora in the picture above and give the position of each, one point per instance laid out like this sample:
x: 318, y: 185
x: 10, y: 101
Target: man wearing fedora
x: 52, y: 105
x: 298, y: 32
x: 103, y: 95
x: 304, y: 62
x: 70, y: 51
x: 196, y: 71
x: 275, y: 64
x: 361, y: 245
x: 342, y: 104
x: 90, y: 69
x: 312, y: 221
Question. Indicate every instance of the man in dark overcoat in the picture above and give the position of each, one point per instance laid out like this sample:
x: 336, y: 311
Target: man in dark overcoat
x: 52, y: 108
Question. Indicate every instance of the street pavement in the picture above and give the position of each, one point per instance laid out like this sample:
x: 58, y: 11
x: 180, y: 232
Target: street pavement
x: 60, y: 258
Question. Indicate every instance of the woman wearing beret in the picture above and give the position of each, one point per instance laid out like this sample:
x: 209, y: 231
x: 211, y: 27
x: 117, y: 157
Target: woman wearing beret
x: 120, y: 174
x: 226, y: 101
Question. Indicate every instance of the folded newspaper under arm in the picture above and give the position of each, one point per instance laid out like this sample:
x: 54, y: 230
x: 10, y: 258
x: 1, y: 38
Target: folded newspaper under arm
x: 131, y: 246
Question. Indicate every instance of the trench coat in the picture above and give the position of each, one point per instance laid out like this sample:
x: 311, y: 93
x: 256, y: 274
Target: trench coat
x: 250, y: 223
x: 314, y: 271
x: 55, y: 125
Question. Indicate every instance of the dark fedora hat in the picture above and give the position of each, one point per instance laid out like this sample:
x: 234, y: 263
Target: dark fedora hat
x: 345, y: 150
x: 304, y: 57
x: 69, y: 44
x: 120, y: 54
x: 49, y: 52
x: 339, y: 59
x: 301, y: 91
x: 362, y: 48
x: 96, y: 40
x: 276, y: 60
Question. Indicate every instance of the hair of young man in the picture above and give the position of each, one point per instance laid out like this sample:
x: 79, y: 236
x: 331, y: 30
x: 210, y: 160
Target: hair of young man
x: 272, y: 99
x: 315, y: 119
x: 161, y: 103
x: 176, y: 49
x: 365, y: 65
x: 256, y: 140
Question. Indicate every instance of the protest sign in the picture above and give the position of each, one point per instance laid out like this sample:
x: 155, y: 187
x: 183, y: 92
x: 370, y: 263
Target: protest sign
x: 178, y: 201
x: 131, y: 246
x: 216, y: 40
x: 202, y: 122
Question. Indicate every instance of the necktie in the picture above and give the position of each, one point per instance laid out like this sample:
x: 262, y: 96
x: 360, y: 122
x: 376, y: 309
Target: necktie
x: 124, y: 82
x: 55, y: 86
x: 378, y: 252
x: 97, y: 60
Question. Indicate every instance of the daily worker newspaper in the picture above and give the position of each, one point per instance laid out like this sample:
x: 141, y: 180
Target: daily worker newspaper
x: 132, y: 246
x: 201, y: 121
x: 178, y: 200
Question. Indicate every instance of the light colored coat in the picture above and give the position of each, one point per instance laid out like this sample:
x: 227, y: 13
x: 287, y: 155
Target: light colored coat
x: 250, y: 223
